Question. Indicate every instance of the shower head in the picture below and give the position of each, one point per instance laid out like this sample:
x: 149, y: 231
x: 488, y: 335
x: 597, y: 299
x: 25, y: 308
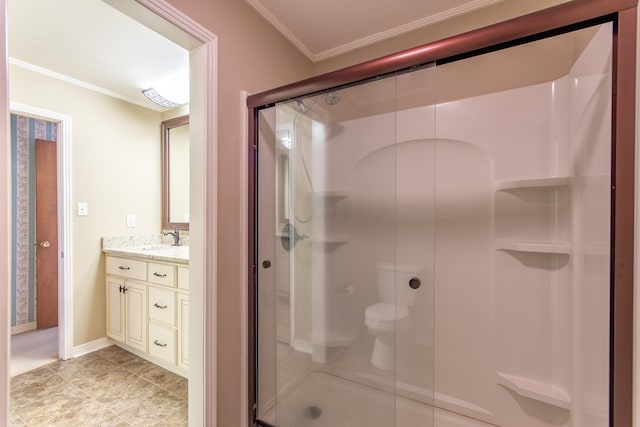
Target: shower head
x: 301, y: 106
x: 332, y: 98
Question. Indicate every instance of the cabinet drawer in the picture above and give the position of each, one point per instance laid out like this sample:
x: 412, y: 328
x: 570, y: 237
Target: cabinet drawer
x: 162, y: 343
x: 162, y: 305
x: 183, y: 278
x: 125, y: 267
x: 162, y: 274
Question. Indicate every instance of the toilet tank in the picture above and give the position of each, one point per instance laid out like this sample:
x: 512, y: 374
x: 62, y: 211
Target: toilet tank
x: 388, y: 275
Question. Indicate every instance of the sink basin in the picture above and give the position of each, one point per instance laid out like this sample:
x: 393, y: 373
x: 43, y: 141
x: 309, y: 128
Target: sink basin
x: 166, y: 251
x: 154, y: 247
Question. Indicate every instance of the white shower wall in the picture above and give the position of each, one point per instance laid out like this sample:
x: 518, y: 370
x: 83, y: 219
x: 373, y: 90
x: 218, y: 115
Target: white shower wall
x: 511, y: 324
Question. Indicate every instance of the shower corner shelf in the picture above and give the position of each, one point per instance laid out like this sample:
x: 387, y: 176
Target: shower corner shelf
x: 331, y: 194
x: 550, y: 247
x: 330, y: 240
x: 534, y: 389
x: 519, y: 184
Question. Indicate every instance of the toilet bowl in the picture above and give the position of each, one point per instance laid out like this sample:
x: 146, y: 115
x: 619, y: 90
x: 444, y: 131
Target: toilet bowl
x: 385, y: 318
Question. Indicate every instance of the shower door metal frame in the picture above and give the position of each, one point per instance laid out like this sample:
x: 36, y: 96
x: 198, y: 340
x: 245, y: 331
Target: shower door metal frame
x: 559, y: 19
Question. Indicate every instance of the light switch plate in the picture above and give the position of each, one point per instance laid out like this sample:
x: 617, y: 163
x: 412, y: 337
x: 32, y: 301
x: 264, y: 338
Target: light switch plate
x: 131, y: 220
x: 83, y: 209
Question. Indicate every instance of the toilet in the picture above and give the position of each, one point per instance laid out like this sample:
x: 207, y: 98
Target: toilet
x: 385, y: 318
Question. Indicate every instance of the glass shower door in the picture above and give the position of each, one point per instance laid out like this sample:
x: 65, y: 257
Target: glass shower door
x: 344, y: 254
x: 356, y: 285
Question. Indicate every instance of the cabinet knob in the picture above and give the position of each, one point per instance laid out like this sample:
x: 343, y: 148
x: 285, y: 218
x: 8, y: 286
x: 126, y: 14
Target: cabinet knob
x: 266, y: 263
x: 45, y: 244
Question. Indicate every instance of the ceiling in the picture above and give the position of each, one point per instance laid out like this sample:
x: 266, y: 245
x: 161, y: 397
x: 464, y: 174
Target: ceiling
x: 92, y: 44
x: 327, y: 28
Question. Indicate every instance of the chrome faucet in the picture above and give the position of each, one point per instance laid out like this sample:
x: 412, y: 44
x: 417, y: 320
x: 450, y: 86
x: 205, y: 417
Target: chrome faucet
x: 176, y: 236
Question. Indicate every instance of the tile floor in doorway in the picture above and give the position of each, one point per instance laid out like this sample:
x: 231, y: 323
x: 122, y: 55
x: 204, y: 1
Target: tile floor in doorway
x: 109, y: 387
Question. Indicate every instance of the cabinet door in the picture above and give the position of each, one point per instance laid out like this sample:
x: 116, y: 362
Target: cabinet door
x: 115, y: 309
x: 136, y: 315
x: 183, y: 330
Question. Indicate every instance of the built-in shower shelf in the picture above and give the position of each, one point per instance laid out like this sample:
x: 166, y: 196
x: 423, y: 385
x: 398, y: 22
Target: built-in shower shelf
x: 534, y: 389
x: 550, y: 247
x: 329, y: 239
x: 331, y: 194
x: 548, y: 182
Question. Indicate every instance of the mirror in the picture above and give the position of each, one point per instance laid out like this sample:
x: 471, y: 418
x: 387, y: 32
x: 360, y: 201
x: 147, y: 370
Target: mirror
x: 175, y: 173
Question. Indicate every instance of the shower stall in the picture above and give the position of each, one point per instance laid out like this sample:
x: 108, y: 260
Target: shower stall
x: 437, y: 245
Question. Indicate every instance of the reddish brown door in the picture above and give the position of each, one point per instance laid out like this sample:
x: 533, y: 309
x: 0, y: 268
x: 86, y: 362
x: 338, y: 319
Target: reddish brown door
x: 46, y: 234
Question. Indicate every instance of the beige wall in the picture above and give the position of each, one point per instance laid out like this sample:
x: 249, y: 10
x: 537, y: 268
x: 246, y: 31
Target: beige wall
x: 254, y: 57
x: 115, y: 169
x: 481, y: 18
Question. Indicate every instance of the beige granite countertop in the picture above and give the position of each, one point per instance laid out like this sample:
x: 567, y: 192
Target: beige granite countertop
x: 154, y: 247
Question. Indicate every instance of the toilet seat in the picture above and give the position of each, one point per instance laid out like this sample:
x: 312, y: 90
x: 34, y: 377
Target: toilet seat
x: 384, y: 314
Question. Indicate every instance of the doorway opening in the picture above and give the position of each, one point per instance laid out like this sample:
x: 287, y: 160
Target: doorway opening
x: 54, y: 341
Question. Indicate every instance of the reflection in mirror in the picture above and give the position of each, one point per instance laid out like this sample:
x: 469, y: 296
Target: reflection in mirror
x: 175, y: 173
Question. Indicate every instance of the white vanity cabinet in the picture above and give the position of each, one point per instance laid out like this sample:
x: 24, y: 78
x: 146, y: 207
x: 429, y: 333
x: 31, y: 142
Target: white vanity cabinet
x: 147, y: 308
x: 135, y: 316
x: 126, y: 303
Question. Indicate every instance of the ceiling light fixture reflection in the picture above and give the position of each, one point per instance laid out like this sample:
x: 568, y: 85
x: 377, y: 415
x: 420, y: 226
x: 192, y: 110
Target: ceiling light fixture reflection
x: 158, y: 99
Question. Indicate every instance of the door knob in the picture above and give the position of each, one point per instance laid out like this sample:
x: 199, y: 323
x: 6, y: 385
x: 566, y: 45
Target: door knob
x: 45, y: 244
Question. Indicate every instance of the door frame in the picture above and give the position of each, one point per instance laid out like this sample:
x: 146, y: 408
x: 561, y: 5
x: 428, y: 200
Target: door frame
x: 204, y: 181
x: 65, y: 248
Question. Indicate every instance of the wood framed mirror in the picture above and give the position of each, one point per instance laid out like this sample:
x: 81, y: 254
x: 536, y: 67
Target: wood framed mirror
x: 175, y: 173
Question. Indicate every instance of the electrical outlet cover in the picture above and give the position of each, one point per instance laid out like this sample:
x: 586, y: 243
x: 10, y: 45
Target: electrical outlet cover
x: 83, y: 209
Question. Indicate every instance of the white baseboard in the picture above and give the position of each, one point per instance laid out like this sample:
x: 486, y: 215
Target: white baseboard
x: 90, y: 347
x: 25, y: 327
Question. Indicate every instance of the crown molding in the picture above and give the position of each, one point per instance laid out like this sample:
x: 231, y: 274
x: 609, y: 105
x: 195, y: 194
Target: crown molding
x: 82, y: 84
x: 402, y: 29
x: 371, y: 39
x: 273, y: 20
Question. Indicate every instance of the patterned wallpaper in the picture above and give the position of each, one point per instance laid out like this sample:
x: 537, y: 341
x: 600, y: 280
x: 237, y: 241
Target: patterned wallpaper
x: 24, y: 132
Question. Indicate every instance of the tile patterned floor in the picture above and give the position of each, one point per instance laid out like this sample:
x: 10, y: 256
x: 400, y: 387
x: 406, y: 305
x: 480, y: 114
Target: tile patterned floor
x: 110, y: 387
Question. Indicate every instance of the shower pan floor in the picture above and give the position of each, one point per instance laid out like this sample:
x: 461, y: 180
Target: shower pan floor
x: 325, y: 400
